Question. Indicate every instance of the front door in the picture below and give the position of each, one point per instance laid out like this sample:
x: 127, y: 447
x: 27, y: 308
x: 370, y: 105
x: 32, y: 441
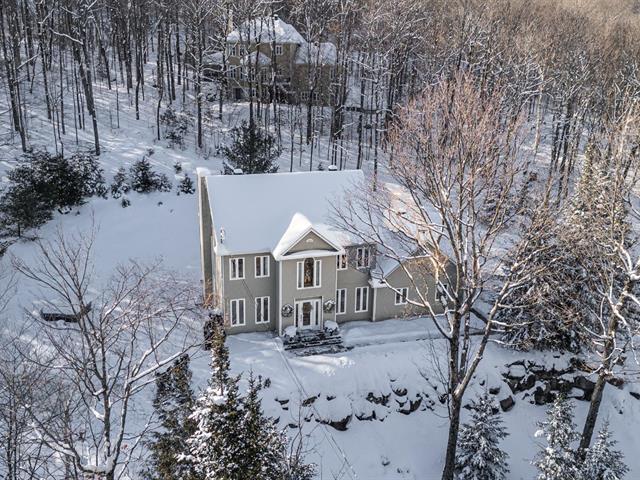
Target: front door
x: 308, y: 313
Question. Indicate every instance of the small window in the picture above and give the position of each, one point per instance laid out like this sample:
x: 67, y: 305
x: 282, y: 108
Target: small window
x: 362, y: 257
x: 316, y: 96
x: 362, y: 299
x: 237, y: 312
x: 232, y: 73
x: 304, y: 96
x: 309, y: 273
x: 236, y: 50
x: 279, y: 50
x: 262, y: 266
x: 262, y: 310
x: 236, y: 268
x: 230, y: 50
x: 341, y: 301
x: 401, y: 296
x: 341, y: 262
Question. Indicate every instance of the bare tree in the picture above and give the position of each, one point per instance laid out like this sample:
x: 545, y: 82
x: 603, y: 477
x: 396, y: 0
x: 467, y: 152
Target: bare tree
x: 104, y: 343
x: 457, y: 163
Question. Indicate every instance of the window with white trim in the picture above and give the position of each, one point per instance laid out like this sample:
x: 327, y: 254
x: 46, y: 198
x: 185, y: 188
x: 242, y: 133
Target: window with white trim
x: 362, y: 257
x: 262, y: 309
x: 341, y: 262
x: 341, y: 301
x: 362, y: 299
x: 309, y: 273
x: 304, y: 96
x: 236, y: 312
x: 236, y: 268
x: 401, y: 296
x: 279, y: 50
x: 262, y: 266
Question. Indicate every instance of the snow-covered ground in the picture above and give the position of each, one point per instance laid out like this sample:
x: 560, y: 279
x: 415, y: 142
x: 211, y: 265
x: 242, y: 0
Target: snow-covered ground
x: 386, y: 358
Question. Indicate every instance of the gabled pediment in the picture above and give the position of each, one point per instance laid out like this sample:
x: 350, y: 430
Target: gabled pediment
x: 302, y: 236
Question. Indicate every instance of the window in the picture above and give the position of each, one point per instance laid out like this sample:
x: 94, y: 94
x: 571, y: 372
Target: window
x: 362, y: 299
x: 230, y: 50
x: 237, y: 312
x: 401, y: 296
x: 262, y: 309
x: 236, y: 50
x: 278, y: 50
x: 304, y: 96
x: 236, y: 268
x: 362, y: 257
x: 316, y: 97
x: 233, y: 73
x: 309, y: 272
x: 341, y: 262
x: 262, y: 266
x: 341, y: 301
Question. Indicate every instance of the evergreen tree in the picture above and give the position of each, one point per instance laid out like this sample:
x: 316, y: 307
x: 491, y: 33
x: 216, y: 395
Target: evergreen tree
x: 145, y: 180
x: 479, y: 453
x: 602, y: 461
x: 173, y: 403
x: 557, y: 460
x: 253, y: 150
x: 186, y: 186
x: 120, y: 185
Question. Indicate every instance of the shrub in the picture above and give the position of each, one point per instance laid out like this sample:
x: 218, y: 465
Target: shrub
x: 145, y: 180
x: 186, y: 186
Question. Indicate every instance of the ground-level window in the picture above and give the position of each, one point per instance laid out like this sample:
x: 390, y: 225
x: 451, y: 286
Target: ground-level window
x: 309, y: 273
x: 362, y: 257
x: 341, y: 263
x: 401, y: 296
x: 341, y: 301
x: 262, y: 309
x: 262, y: 266
x: 236, y: 314
x: 362, y: 299
x: 236, y: 268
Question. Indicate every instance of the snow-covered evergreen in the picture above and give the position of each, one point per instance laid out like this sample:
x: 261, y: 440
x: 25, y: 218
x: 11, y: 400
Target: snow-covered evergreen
x: 479, y: 454
x: 557, y: 460
x: 602, y: 461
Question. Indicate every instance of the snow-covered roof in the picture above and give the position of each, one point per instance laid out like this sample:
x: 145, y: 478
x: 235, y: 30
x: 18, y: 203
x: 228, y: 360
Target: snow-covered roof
x: 311, y: 53
x: 270, y: 212
x: 266, y: 30
x: 250, y: 59
x: 214, y: 58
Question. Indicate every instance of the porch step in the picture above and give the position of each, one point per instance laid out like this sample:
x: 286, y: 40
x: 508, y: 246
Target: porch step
x: 315, y: 342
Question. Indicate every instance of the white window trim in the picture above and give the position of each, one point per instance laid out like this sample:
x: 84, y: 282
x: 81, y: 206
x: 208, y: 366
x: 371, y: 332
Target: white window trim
x: 259, y: 307
x: 244, y: 312
x: 244, y: 267
x: 355, y: 298
x: 317, y: 274
x: 339, y: 262
x: 403, y: 293
x: 360, y: 251
x: 279, y: 50
x: 264, y: 261
x: 344, y: 295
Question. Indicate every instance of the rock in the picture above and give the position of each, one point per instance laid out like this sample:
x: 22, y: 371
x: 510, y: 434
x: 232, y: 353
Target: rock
x: 340, y: 425
x: 516, y: 372
x: 309, y: 401
x: 586, y: 385
x: 282, y: 402
x: 528, y: 383
x: 381, y: 400
x: 370, y: 416
x: 616, y: 382
x: 494, y: 390
x: 401, y: 392
x: 540, y: 396
x: 635, y: 395
x: 507, y: 403
x: 412, y: 406
x: 293, y: 425
x: 330, y: 397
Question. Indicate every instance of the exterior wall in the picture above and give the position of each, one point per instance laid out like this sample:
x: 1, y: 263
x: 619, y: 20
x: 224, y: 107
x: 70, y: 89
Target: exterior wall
x: 206, y: 247
x: 291, y: 293
x: 303, y: 80
x: 311, y: 241
x: 351, y: 278
x: 250, y: 288
x: 385, y: 297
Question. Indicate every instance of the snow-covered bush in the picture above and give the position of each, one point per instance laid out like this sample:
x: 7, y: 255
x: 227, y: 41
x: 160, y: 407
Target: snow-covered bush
x: 120, y: 185
x: 186, y: 186
x: 42, y: 183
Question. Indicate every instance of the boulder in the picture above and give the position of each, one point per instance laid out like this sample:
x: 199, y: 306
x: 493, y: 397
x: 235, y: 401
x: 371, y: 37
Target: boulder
x: 587, y: 386
x: 309, y: 401
x: 507, y: 403
x: 340, y: 425
x: 635, y: 395
x: 494, y: 390
x: 411, y: 406
x: 378, y: 400
x: 367, y: 417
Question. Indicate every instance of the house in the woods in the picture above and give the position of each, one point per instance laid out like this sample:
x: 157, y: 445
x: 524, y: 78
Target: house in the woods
x: 267, y: 56
x: 272, y: 257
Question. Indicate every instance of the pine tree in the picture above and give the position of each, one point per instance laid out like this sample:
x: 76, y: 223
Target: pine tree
x: 186, y: 186
x: 479, y: 453
x: 253, y: 150
x: 145, y: 180
x: 557, y: 460
x: 602, y: 461
x: 120, y: 185
x: 173, y: 403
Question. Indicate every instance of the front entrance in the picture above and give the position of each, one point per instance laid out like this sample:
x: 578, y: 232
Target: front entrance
x: 308, y: 313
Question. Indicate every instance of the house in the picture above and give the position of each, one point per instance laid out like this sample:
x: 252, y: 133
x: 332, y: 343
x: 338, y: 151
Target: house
x: 267, y: 53
x: 273, y: 258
